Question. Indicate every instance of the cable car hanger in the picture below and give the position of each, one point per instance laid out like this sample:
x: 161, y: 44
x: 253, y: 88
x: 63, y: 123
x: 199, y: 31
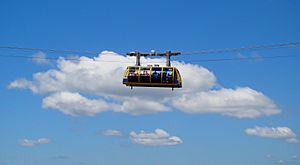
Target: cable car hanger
x: 168, y: 55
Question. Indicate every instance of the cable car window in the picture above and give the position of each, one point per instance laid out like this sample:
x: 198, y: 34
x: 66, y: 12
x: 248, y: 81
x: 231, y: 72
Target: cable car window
x: 145, y: 75
x: 156, y: 75
x: 133, y: 74
x: 167, y: 75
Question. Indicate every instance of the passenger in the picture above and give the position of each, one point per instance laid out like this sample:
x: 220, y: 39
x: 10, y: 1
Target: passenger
x: 155, y: 74
x: 165, y: 78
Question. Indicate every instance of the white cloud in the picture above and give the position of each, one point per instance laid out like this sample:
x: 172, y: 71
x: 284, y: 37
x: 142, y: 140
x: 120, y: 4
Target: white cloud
x: 293, y: 140
x: 31, y: 143
x: 43, y: 141
x: 40, y: 58
x: 137, y: 106
x: 111, y: 132
x: 27, y: 142
x: 280, y: 162
x: 74, y: 104
x: 240, y: 102
x: 90, y: 86
x: 156, y: 138
x: 273, y: 132
x: 253, y: 57
x: 23, y: 84
x: 269, y: 156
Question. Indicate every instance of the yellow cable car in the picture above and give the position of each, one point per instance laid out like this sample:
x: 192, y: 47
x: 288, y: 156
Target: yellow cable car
x: 152, y: 76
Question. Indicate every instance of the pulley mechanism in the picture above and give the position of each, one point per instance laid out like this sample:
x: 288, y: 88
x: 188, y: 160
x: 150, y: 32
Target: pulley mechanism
x: 168, y: 55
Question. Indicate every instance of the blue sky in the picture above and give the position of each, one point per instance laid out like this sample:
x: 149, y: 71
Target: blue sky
x: 207, y: 138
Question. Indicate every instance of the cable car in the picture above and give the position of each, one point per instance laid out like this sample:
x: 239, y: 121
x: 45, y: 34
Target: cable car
x: 152, y: 76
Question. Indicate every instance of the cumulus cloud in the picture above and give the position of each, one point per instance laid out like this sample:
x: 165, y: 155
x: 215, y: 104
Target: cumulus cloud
x: 241, y: 102
x: 137, y: 106
x: 293, y: 140
x: 40, y: 58
x: 31, y: 143
x: 22, y: 84
x: 43, y: 141
x: 94, y: 85
x: 280, y: 161
x: 269, y: 156
x: 157, y: 138
x: 74, y: 104
x: 111, y: 132
x: 273, y: 132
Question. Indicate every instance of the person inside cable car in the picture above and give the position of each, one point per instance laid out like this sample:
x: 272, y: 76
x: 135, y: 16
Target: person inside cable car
x: 133, y: 76
x: 144, y: 75
x: 156, y: 75
x: 165, y: 79
x: 167, y: 75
